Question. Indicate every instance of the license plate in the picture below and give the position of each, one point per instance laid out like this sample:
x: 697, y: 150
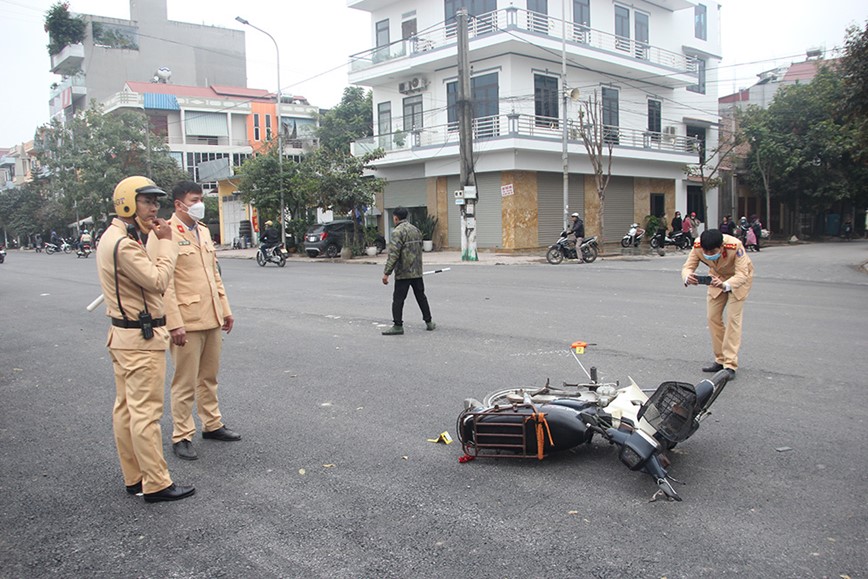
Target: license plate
x: 312, y: 238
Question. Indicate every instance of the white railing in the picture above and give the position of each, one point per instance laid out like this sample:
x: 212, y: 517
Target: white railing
x: 515, y: 125
x: 513, y: 19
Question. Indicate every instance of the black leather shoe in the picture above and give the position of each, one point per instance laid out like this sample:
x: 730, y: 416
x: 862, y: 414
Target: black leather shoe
x: 713, y: 368
x: 135, y: 489
x: 172, y: 492
x: 223, y: 434
x: 183, y: 449
x: 730, y: 374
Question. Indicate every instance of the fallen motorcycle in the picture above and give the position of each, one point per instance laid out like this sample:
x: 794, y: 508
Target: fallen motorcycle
x: 563, y: 248
x: 533, y: 423
x: 276, y: 254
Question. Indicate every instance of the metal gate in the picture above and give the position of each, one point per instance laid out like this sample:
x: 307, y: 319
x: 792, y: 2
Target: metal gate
x: 619, y: 208
x: 550, y: 204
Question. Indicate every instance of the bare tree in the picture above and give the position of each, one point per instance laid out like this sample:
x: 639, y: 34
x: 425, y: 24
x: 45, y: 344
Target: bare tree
x: 599, y: 140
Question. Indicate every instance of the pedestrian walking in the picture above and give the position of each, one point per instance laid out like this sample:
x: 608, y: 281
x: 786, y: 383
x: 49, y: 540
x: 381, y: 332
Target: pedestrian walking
x: 405, y: 259
x: 133, y: 282
x: 731, y: 277
x: 196, y: 311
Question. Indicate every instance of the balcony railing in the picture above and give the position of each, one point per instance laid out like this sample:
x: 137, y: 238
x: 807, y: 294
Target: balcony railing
x: 69, y: 60
x: 514, y: 19
x: 76, y: 82
x: 524, y: 126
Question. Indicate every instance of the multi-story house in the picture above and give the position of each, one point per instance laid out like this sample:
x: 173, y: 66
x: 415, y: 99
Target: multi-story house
x: 17, y: 164
x: 146, y: 47
x: 651, y: 63
x: 210, y: 130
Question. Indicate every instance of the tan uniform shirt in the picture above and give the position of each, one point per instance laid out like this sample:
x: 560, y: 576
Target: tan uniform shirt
x: 138, y: 270
x: 197, y: 299
x: 733, y: 266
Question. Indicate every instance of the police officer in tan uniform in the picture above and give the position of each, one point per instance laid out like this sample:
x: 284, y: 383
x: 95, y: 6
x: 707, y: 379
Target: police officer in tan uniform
x: 731, y: 273
x: 133, y: 283
x: 196, y: 311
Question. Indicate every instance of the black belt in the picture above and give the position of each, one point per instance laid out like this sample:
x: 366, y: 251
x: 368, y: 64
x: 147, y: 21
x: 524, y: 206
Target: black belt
x: 130, y: 324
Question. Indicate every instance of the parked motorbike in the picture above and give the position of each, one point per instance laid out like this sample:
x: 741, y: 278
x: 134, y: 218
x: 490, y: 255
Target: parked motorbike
x: 633, y: 237
x: 679, y: 239
x: 276, y: 254
x: 564, y: 248
x: 83, y: 250
x: 533, y: 423
x: 2, y: 254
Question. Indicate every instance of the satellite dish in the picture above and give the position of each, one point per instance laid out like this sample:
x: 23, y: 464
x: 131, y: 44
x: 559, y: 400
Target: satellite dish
x: 164, y: 74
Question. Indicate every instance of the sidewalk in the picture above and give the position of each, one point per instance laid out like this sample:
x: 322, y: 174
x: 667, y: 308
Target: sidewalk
x: 453, y: 257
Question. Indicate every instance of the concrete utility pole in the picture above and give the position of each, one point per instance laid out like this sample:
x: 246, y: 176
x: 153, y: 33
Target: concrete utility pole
x: 465, y: 144
x: 565, y: 155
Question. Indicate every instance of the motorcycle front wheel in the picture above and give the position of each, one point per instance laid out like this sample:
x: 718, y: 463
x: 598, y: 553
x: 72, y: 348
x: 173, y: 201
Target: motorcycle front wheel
x: 554, y: 256
x: 589, y: 254
x: 625, y: 242
x: 260, y: 259
x: 67, y: 249
x: 655, y: 243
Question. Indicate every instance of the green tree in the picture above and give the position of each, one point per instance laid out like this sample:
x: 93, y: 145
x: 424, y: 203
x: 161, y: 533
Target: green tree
x: 84, y: 159
x: 62, y: 28
x: 351, y: 119
x: 260, y: 181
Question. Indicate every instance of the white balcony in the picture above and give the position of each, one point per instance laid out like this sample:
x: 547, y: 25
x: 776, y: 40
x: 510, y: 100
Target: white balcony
x: 517, y: 131
x: 517, y: 31
x: 69, y: 60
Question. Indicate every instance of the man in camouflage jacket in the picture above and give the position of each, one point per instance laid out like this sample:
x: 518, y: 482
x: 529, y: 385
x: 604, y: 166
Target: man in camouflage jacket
x: 405, y: 259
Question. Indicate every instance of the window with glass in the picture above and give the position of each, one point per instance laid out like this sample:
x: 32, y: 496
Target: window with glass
x: 545, y: 100
x: 700, y: 22
x: 655, y: 119
x: 384, y: 123
x: 412, y: 113
x: 267, y: 127
x: 641, y: 29
x: 484, y: 94
x: 611, y: 119
x: 699, y: 87
x: 381, y: 34
x: 538, y: 20
x: 622, y: 28
x: 256, y: 127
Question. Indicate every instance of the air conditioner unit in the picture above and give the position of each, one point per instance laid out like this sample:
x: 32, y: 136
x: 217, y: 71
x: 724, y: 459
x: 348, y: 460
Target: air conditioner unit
x: 670, y: 130
x: 404, y: 87
x: 413, y: 85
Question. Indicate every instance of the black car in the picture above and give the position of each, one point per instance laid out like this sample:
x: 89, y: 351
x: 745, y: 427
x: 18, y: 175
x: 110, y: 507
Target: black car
x: 327, y: 238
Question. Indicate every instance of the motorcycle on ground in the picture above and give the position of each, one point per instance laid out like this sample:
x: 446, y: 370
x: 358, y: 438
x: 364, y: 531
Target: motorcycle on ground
x: 564, y: 248
x: 2, y: 254
x: 83, y: 250
x: 535, y: 422
x: 678, y: 239
x: 633, y: 237
x: 276, y: 254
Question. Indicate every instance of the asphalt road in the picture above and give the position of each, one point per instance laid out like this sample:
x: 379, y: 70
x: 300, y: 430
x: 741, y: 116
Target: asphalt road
x: 335, y: 478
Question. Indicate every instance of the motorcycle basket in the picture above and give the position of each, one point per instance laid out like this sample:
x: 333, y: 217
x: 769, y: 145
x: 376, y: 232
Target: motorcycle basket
x: 672, y: 411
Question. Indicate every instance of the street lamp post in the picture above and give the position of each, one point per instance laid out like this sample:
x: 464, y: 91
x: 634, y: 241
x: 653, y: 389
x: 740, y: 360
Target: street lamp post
x: 279, y: 130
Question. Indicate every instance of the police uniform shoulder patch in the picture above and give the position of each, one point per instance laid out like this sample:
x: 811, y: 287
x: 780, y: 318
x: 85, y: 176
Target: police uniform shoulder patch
x: 730, y: 245
x: 739, y: 253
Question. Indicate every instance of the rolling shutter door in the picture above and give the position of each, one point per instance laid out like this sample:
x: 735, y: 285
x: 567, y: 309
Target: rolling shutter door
x: 489, y: 212
x: 409, y: 193
x: 550, y: 204
x: 619, y: 208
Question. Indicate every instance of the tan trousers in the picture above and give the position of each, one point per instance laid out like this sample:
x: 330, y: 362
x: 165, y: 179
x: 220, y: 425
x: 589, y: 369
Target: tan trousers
x: 195, y: 379
x: 140, y: 381
x: 725, y: 331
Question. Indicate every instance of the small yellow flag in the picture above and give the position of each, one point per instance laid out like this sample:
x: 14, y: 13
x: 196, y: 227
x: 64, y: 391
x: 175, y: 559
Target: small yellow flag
x: 444, y: 438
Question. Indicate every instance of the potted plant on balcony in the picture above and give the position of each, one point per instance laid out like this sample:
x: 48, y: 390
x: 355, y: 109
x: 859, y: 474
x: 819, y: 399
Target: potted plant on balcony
x: 427, y: 227
x: 62, y: 28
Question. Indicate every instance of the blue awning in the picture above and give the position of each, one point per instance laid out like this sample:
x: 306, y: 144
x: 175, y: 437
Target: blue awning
x: 162, y: 102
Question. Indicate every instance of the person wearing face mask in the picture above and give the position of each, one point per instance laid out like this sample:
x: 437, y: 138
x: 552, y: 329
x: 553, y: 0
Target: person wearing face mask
x: 133, y: 281
x: 731, y: 272
x: 196, y: 311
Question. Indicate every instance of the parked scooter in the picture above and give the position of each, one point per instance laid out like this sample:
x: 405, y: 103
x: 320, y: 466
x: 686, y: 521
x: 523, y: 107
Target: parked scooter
x: 679, y: 239
x: 633, y: 237
x: 564, y: 248
x: 532, y: 423
x: 276, y: 254
x: 2, y: 254
x: 83, y: 250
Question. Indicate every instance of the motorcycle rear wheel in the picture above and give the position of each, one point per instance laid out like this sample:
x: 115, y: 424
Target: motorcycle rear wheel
x: 589, y: 254
x: 260, y: 259
x: 281, y: 260
x: 49, y: 250
x: 684, y: 243
x: 655, y: 243
x: 625, y: 242
x: 554, y: 256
